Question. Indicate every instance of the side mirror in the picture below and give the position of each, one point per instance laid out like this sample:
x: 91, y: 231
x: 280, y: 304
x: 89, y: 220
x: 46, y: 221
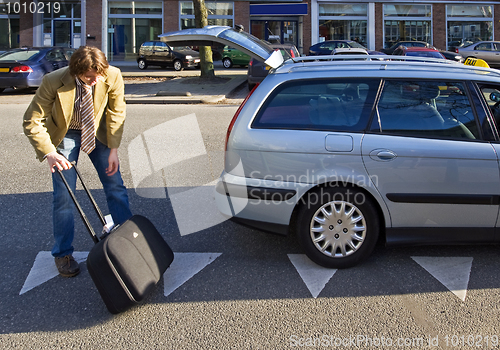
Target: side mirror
x: 495, y: 96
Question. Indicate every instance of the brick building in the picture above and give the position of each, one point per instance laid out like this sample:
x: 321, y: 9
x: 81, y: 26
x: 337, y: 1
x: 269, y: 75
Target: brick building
x: 119, y: 27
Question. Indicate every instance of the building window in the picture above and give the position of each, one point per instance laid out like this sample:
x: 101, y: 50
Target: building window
x: 132, y: 23
x: 405, y: 22
x: 63, y: 28
x: 219, y: 13
x: 9, y: 28
x: 343, y: 22
x: 467, y: 24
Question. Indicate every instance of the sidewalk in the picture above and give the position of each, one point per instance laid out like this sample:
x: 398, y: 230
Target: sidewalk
x: 156, y: 85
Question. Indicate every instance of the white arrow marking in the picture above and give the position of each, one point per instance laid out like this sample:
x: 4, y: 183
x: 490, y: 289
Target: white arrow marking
x: 452, y: 272
x: 45, y: 269
x: 314, y: 276
x: 184, y: 267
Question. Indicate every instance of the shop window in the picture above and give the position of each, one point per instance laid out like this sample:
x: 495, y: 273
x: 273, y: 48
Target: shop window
x: 467, y: 24
x: 407, y: 22
x: 343, y: 22
x: 219, y: 13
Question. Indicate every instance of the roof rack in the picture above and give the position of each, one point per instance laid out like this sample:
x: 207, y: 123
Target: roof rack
x: 382, y: 61
x: 358, y: 57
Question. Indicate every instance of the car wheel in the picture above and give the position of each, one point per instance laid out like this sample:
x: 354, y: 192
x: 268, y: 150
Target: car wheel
x: 178, y: 65
x: 1, y: 90
x: 227, y: 63
x: 142, y: 64
x: 337, y: 227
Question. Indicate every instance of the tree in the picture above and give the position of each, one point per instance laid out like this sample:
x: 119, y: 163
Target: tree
x: 201, y: 19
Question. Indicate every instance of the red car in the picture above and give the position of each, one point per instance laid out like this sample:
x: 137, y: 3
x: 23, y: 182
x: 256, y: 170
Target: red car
x: 418, y: 52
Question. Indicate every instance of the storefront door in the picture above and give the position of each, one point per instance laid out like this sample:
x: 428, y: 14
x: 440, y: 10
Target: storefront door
x: 62, y: 33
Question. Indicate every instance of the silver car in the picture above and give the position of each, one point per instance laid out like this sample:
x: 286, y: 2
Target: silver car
x: 488, y: 51
x: 346, y: 152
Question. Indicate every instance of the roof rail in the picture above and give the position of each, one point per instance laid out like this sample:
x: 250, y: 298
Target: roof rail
x: 360, y: 57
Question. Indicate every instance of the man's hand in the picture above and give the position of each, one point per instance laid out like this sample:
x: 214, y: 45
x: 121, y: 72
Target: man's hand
x: 57, y: 160
x: 113, y: 162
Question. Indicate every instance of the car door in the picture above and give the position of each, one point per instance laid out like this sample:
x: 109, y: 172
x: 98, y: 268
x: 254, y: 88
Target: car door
x: 162, y: 54
x: 484, y: 51
x: 55, y: 59
x: 426, y: 156
x: 495, y: 59
x: 237, y: 39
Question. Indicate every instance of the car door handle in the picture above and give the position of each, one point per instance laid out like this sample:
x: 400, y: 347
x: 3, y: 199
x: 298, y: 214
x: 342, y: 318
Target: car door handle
x: 382, y: 155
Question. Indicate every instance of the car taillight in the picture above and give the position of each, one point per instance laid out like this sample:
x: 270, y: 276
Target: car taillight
x: 231, y: 124
x: 292, y: 53
x: 21, y: 69
x: 250, y: 63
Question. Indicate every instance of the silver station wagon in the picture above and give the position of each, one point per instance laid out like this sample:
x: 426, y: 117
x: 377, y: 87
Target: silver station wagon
x: 344, y: 152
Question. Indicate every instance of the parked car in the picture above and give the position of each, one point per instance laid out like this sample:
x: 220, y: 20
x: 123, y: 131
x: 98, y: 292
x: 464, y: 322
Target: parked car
x: 327, y: 47
x: 257, y: 70
x: 343, y: 153
x: 233, y: 57
x: 418, y: 52
x: 488, y: 51
x: 449, y: 55
x: 409, y: 43
x: 158, y: 53
x: 25, y: 67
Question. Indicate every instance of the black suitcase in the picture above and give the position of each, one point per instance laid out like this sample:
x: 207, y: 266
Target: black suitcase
x: 127, y: 263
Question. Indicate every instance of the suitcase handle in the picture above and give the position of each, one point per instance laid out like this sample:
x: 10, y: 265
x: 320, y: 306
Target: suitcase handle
x: 80, y: 210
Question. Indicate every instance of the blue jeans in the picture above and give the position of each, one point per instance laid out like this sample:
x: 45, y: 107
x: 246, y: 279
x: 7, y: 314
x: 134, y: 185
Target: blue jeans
x: 63, y: 206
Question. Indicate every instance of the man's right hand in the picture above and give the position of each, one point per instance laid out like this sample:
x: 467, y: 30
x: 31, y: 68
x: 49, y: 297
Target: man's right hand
x: 57, y: 160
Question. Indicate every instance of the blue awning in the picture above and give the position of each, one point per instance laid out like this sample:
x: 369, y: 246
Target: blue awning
x: 278, y: 9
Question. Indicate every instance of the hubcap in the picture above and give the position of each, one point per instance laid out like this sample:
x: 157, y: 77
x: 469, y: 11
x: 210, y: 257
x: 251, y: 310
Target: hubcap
x: 177, y: 65
x: 338, y: 229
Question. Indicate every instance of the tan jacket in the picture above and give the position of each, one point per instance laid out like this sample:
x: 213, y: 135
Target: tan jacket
x: 47, y: 119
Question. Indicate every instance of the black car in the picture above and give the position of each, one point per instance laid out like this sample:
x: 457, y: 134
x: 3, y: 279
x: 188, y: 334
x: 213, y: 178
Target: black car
x: 158, y: 53
x: 327, y: 47
x: 25, y: 67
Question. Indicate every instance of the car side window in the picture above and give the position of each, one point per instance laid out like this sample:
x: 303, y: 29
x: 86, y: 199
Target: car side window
x: 496, y: 46
x: 491, y: 94
x: 483, y: 47
x: 147, y: 46
x: 55, y: 55
x: 425, y: 108
x: 336, y: 105
x: 161, y: 47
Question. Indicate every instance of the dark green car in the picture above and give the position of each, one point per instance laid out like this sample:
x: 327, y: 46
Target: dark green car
x: 235, y: 57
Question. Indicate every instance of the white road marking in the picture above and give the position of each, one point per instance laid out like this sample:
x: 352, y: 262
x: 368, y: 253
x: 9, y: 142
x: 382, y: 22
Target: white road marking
x: 452, y: 272
x: 184, y: 267
x: 314, y: 276
x: 45, y: 269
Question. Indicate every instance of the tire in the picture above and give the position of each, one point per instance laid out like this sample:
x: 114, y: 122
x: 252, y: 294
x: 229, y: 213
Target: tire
x: 227, y: 63
x: 178, y: 65
x: 142, y: 64
x: 1, y: 90
x: 250, y: 86
x: 337, y: 227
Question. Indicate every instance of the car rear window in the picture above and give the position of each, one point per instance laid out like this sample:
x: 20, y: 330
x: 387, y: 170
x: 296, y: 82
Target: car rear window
x: 19, y: 55
x: 333, y: 105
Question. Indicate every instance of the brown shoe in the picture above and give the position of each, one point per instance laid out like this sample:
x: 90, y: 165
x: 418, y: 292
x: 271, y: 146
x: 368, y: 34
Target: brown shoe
x: 67, y: 266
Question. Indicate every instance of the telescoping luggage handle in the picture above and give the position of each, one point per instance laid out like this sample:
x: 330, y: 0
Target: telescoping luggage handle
x: 80, y: 210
